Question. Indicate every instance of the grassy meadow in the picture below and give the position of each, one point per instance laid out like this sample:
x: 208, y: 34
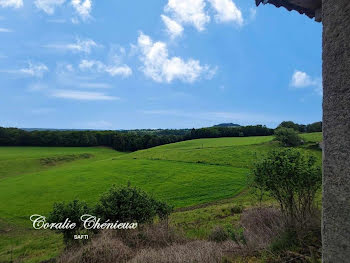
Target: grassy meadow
x: 204, y: 179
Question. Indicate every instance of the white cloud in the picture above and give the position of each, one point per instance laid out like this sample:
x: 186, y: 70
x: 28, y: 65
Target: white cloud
x: 48, y: 6
x: 83, y: 8
x: 99, y: 67
x: 158, y: 66
x: 301, y: 79
x: 189, y: 12
x: 11, y: 3
x: 82, y: 95
x: 33, y: 70
x: 84, y: 46
x: 5, y: 30
x: 227, y: 11
x: 174, y: 29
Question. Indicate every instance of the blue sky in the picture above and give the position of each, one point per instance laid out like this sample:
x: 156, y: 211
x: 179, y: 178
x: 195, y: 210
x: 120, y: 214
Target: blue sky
x: 156, y: 64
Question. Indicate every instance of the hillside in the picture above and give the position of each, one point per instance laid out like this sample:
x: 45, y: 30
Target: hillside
x: 185, y: 174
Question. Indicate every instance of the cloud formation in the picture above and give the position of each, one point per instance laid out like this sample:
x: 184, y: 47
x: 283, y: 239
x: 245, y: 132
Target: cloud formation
x: 195, y: 13
x: 82, y: 95
x: 173, y: 28
x: 161, y: 68
x: 32, y: 70
x: 48, y: 6
x: 83, y: 8
x: 227, y: 11
x: 189, y: 12
x: 99, y: 67
x: 83, y: 46
x: 11, y: 3
x: 35, y: 70
x: 5, y: 30
x: 301, y: 79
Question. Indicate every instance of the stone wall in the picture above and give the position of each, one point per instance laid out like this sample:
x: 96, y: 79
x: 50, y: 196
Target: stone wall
x: 336, y: 131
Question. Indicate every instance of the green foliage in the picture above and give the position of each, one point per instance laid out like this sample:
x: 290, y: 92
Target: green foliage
x: 236, y: 234
x: 292, y: 125
x: 72, y: 211
x: 288, y: 137
x: 292, y: 179
x: 288, y: 240
x: 219, y: 234
x: 130, y: 204
x: 313, y: 127
x: 237, y: 209
x: 125, y: 141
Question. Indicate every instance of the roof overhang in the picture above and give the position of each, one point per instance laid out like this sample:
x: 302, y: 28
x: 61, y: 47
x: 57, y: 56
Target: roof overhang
x: 311, y: 8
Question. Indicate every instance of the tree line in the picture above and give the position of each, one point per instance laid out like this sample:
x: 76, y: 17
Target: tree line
x: 125, y: 141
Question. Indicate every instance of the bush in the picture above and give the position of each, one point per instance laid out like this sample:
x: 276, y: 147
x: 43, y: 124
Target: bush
x: 73, y: 211
x: 237, y: 209
x: 219, y: 234
x: 235, y: 234
x: 292, y: 179
x: 288, y: 137
x: 130, y: 204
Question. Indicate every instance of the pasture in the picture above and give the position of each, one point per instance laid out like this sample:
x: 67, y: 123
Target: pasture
x: 186, y: 174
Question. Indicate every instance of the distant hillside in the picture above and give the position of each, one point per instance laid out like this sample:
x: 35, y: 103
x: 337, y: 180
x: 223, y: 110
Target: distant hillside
x: 227, y: 125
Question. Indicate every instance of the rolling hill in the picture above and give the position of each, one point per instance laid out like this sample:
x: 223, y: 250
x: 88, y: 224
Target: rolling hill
x: 185, y: 174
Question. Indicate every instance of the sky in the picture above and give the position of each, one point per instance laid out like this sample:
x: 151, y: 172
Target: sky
x: 88, y: 64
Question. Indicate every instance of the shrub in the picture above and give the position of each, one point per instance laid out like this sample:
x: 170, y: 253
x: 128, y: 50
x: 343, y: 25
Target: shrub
x: 73, y: 211
x: 237, y: 209
x: 292, y: 179
x: 235, y: 234
x: 130, y: 204
x: 288, y: 137
x: 218, y: 234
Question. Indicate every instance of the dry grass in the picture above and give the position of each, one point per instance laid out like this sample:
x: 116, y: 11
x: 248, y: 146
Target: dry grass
x: 196, y: 251
x: 261, y: 226
x: 103, y: 249
x: 150, y: 244
x: 161, y: 244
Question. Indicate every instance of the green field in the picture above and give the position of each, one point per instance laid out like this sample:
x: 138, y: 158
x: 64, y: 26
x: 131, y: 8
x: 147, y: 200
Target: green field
x: 184, y: 174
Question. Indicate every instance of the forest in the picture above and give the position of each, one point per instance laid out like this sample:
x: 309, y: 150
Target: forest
x: 133, y: 140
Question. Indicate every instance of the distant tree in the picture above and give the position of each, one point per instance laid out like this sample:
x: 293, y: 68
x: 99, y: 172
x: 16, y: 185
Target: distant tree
x: 292, y: 125
x: 288, y: 137
x: 314, y: 127
x: 292, y: 179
